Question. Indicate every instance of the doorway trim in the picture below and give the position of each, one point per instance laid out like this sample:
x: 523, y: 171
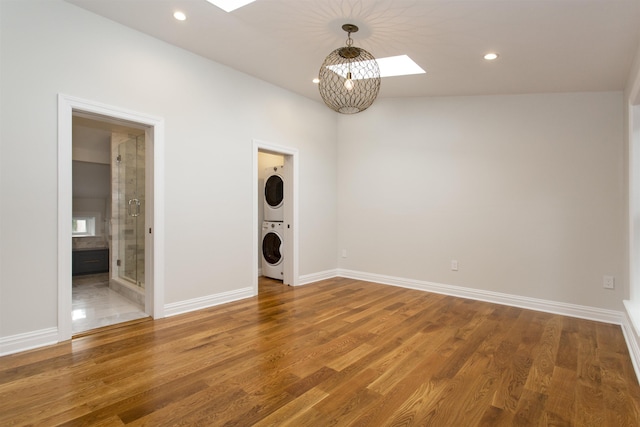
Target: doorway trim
x: 632, y: 304
x: 290, y: 266
x: 67, y: 106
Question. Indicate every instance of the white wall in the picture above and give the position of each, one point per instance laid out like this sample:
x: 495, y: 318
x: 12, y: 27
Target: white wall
x: 91, y: 145
x: 526, y: 192
x: 212, y: 114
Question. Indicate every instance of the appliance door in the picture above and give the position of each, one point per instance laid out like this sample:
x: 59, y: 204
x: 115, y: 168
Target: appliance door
x: 271, y: 244
x: 274, y: 191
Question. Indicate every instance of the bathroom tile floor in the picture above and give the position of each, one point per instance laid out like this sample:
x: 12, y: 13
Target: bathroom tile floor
x: 94, y: 305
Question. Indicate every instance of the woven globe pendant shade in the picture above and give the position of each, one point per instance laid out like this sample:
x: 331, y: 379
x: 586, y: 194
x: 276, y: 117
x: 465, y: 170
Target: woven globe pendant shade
x: 349, y: 78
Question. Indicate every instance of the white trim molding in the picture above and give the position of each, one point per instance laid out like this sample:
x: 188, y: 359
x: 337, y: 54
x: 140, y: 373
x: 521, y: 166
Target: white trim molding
x: 315, y: 277
x: 291, y: 243
x: 200, y: 303
x: 28, y: 340
x: 67, y: 107
x: 633, y: 315
x: 633, y: 342
x: 624, y: 319
x: 565, y: 309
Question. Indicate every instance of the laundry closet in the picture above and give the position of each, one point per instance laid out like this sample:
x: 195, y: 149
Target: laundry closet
x: 270, y: 215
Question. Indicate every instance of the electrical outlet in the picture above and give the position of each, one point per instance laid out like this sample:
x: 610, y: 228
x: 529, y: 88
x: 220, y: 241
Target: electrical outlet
x: 344, y: 253
x: 608, y: 282
x: 454, y: 265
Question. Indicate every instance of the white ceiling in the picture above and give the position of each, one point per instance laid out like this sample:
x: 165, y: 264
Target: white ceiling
x: 544, y: 45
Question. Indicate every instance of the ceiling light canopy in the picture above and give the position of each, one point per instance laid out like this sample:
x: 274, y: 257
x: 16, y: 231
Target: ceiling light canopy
x: 230, y: 5
x: 349, y: 77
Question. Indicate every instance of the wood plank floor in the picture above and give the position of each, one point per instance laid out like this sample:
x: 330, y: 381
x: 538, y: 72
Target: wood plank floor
x: 338, y: 352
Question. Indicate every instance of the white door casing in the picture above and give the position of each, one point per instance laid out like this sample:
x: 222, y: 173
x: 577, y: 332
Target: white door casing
x: 154, y: 241
x: 290, y: 249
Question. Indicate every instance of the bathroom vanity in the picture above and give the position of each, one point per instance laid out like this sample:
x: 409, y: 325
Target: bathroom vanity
x: 90, y: 261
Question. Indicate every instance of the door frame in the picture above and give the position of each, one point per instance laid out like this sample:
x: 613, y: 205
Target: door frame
x: 290, y: 211
x: 154, y: 241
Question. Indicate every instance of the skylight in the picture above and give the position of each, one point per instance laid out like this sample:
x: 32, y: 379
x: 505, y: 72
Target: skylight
x: 230, y: 5
x: 391, y: 66
x: 400, y: 65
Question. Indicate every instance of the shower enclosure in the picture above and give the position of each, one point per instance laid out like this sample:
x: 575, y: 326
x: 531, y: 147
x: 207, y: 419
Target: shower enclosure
x: 128, y: 216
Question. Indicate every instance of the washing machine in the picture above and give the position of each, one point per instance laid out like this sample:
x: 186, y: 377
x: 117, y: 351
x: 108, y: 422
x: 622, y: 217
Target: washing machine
x: 272, y: 238
x: 274, y: 194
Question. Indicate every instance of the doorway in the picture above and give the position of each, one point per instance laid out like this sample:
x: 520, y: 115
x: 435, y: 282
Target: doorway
x: 108, y: 208
x: 288, y: 157
x: 149, y: 216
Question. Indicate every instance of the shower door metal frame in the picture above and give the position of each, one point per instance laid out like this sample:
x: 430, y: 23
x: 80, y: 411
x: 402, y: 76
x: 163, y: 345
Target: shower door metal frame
x: 127, y: 208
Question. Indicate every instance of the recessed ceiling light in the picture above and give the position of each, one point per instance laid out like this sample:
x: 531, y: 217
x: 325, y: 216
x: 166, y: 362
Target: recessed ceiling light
x: 316, y: 80
x: 230, y: 5
x: 491, y: 56
x: 390, y: 66
x: 180, y: 16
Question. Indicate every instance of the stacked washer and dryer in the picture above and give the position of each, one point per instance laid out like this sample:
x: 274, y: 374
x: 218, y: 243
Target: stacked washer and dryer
x: 272, y: 226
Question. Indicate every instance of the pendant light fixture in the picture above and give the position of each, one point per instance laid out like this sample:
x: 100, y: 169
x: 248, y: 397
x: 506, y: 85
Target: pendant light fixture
x: 349, y: 77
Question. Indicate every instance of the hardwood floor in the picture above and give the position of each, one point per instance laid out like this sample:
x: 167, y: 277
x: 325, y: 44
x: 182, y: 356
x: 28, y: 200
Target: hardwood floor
x: 338, y: 352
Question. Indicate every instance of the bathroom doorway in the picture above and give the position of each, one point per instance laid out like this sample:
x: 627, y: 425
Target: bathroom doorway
x: 108, y: 208
x: 151, y: 278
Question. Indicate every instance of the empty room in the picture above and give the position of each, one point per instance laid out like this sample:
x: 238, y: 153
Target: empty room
x: 309, y: 213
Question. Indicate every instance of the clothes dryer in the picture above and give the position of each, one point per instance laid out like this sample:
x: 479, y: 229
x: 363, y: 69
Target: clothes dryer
x: 272, y: 238
x: 274, y: 194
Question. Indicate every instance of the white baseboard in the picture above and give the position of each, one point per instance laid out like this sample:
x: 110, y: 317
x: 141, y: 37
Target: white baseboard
x: 206, y: 301
x: 565, y: 309
x: 632, y: 339
x: 629, y: 320
x: 43, y: 337
x: 633, y: 315
x: 315, y: 277
x: 28, y: 340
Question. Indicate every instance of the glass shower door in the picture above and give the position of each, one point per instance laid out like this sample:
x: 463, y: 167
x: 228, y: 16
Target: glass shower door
x: 131, y: 235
